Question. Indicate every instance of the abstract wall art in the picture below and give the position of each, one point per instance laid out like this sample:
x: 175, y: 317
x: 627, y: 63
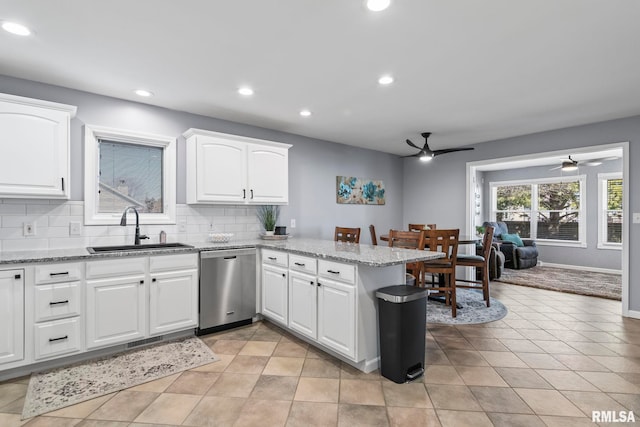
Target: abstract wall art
x: 359, y: 191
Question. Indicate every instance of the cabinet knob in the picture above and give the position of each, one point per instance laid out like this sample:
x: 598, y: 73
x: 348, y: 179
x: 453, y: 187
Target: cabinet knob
x: 153, y: 280
x: 311, y: 283
x: 17, y: 276
x: 284, y: 275
x: 142, y: 282
x: 319, y: 284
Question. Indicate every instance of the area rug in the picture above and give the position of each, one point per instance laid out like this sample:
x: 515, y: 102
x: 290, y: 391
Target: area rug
x: 73, y: 384
x: 580, y: 282
x: 474, y: 310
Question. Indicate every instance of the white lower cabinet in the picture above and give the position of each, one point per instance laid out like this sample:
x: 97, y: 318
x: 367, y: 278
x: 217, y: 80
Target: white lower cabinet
x: 11, y: 316
x: 337, y: 316
x: 303, y: 304
x: 275, y: 293
x: 57, y: 338
x: 173, y: 300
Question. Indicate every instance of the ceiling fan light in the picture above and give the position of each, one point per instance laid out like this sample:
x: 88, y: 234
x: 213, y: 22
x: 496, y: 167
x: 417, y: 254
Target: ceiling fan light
x: 425, y: 157
x: 378, y: 5
x: 569, y: 166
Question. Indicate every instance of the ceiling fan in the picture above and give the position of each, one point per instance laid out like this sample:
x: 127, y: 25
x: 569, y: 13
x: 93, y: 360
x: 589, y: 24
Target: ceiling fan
x: 571, y: 164
x: 425, y: 154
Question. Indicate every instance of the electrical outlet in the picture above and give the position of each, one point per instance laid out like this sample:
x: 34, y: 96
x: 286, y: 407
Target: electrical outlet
x: 636, y: 217
x: 28, y: 229
x: 293, y: 223
x: 74, y: 228
x: 182, y: 226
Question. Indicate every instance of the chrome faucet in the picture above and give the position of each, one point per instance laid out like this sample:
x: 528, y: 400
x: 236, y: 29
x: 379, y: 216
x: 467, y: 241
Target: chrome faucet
x: 123, y: 222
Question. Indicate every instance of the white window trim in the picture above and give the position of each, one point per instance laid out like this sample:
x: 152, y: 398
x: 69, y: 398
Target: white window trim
x: 602, y: 208
x: 92, y: 165
x: 582, y: 237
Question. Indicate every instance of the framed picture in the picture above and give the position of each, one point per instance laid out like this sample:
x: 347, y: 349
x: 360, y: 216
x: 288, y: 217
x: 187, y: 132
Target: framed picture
x: 359, y: 191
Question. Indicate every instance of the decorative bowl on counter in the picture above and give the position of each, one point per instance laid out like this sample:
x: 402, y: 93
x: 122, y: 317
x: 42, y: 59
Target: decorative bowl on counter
x: 220, y: 237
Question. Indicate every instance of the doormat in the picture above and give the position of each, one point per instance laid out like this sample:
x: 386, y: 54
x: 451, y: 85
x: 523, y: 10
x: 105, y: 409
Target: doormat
x: 474, y: 310
x: 87, y: 380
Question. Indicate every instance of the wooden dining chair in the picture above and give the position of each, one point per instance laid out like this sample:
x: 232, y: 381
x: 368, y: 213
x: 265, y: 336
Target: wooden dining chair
x: 346, y: 234
x: 374, y: 239
x: 409, y: 240
x: 481, y: 263
x: 443, y: 241
x: 417, y: 227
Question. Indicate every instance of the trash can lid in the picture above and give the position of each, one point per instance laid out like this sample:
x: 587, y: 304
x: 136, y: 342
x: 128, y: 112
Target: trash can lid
x: 401, y: 293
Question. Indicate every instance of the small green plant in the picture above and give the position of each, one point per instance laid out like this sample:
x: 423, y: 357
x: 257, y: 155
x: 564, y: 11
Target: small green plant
x: 268, y: 216
x: 479, y: 229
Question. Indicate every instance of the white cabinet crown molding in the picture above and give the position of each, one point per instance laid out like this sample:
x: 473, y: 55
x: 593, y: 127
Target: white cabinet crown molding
x: 31, y: 102
x: 239, y: 138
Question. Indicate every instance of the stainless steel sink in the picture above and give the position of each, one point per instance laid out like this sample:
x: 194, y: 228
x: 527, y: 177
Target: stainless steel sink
x: 128, y: 248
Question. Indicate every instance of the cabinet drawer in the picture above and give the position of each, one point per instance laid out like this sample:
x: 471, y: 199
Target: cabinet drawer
x: 58, y: 337
x: 302, y: 263
x: 116, y: 267
x: 55, y: 273
x: 336, y: 270
x: 173, y: 262
x: 57, y: 301
x: 274, y: 257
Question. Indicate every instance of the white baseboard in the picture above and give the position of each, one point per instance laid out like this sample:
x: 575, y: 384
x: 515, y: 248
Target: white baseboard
x: 634, y: 314
x: 580, y: 267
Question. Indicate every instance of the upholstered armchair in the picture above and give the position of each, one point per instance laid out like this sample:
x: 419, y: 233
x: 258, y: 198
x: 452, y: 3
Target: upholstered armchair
x: 518, y: 257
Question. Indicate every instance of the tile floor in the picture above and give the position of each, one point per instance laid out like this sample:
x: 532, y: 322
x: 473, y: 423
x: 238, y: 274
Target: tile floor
x: 551, y: 361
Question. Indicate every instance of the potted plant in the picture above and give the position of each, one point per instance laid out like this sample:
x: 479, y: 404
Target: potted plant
x: 479, y: 230
x: 268, y: 217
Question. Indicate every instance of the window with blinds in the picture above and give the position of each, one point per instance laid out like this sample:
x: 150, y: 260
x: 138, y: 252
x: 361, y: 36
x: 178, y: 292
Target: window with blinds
x: 610, y: 210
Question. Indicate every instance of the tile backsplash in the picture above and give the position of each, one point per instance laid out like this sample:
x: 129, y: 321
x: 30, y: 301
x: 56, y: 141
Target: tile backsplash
x: 52, y: 223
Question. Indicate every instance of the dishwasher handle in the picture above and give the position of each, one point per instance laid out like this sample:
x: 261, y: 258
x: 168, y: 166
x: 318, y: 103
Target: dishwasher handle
x: 226, y: 253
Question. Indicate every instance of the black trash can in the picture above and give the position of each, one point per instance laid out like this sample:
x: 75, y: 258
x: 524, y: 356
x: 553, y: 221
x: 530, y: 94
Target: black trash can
x: 402, y: 318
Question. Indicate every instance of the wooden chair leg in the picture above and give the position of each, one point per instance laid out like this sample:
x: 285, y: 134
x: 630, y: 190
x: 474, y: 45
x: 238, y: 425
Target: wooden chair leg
x: 454, y: 306
x: 485, y: 285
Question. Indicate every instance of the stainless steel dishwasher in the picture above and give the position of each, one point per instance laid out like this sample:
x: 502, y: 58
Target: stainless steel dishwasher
x: 227, y: 289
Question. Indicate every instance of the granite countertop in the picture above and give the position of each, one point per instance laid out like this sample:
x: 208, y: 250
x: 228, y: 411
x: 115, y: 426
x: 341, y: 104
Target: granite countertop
x: 376, y: 256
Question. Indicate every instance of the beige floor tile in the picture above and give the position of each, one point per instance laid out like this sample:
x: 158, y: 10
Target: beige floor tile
x: 234, y: 385
x: 589, y: 401
x: 305, y: 414
x: 169, y: 408
x: 12, y: 420
x: 291, y: 349
x: 362, y: 416
x: 216, y: 411
x: 436, y: 357
x: 413, y: 395
x: 83, y: 409
x: 46, y: 421
x: 287, y: 366
x: 156, y: 386
x: 275, y: 387
x: 548, y: 402
x: 455, y: 397
x: 592, y: 349
x: 442, y: 374
x: 481, y: 375
x: 453, y: 343
x: 512, y: 420
x: 521, y: 346
x: 227, y: 346
x: 14, y: 407
x: 566, y: 380
x: 412, y: 417
x: 247, y: 364
x: 619, y: 363
x: 540, y: 361
x: 350, y: 373
x: 610, y: 382
x: 566, y: 421
x: 266, y: 335
x: 260, y: 413
x: 191, y: 382
x: 487, y: 344
x: 580, y: 362
x: 555, y: 347
x: 361, y: 392
x: 321, y: 368
x: 217, y: 366
x: 540, y: 334
x: 11, y: 391
x: 450, y: 418
x: 318, y: 390
x: 466, y: 358
x: 258, y: 348
x: 103, y: 423
x: 629, y: 401
x: 504, y: 359
x: 500, y: 399
x: 124, y: 406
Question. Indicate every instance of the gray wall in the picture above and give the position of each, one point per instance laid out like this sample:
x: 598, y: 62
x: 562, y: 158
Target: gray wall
x: 313, y: 164
x: 437, y: 191
x: 590, y: 256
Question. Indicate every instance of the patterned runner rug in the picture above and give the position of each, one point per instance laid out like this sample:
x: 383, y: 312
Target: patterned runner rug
x: 601, y: 285
x: 73, y: 384
x: 474, y: 309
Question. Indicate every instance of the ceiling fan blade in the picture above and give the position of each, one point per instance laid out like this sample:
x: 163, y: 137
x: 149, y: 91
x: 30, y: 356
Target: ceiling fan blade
x: 413, y: 145
x: 411, y: 155
x: 556, y: 168
x: 597, y: 162
x: 450, y: 150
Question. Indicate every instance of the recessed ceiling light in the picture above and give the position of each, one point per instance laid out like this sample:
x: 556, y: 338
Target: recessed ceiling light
x: 305, y: 113
x: 246, y: 91
x: 142, y: 92
x: 15, y: 28
x: 385, y: 80
x: 378, y: 5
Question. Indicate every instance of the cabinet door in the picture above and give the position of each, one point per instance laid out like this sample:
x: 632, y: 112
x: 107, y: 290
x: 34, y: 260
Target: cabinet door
x: 268, y: 174
x: 173, y: 301
x: 303, y: 302
x: 34, y: 154
x: 336, y: 316
x: 221, y: 174
x: 11, y: 315
x: 274, y: 293
x: 115, y: 310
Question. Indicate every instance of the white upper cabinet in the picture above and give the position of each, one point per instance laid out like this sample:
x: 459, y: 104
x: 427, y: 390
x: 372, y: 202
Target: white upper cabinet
x: 224, y: 168
x: 34, y: 148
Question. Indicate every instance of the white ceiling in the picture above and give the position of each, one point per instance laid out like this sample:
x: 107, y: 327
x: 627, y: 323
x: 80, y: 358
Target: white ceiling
x: 469, y: 71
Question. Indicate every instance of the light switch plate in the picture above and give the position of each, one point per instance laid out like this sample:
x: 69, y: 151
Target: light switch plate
x: 74, y: 228
x: 182, y: 226
x: 636, y: 217
x: 293, y: 223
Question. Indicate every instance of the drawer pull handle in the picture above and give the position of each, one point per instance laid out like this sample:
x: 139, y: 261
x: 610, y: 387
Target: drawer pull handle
x: 299, y: 264
x: 64, y: 273
x: 231, y: 257
x: 311, y: 283
x: 17, y: 276
x: 230, y: 312
x: 272, y: 258
x: 59, y: 302
x: 59, y: 338
x: 333, y: 272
